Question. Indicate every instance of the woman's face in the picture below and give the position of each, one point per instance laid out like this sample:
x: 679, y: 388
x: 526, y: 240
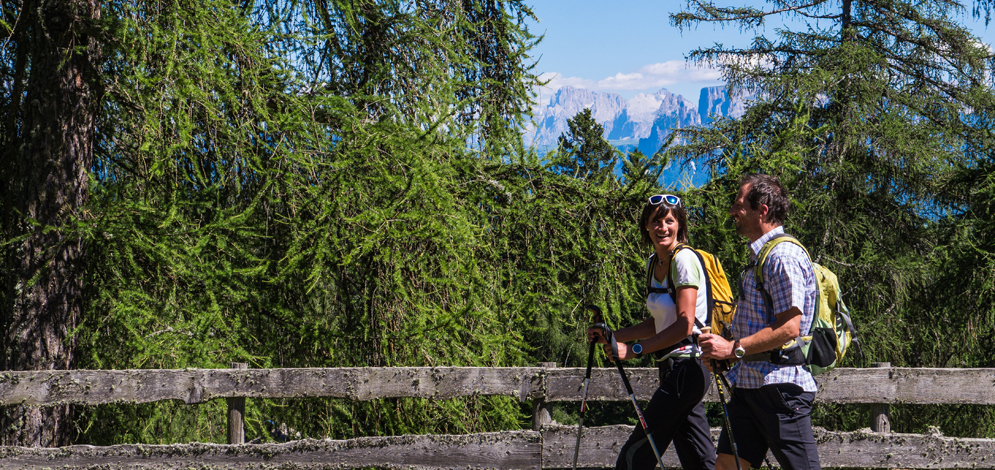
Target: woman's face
x: 663, y: 228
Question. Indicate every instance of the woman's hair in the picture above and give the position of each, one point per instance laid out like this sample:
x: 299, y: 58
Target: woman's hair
x: 766, y: 189
x: 653, y: 212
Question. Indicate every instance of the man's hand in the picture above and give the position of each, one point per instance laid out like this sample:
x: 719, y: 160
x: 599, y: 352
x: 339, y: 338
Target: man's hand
x: 715, y: 347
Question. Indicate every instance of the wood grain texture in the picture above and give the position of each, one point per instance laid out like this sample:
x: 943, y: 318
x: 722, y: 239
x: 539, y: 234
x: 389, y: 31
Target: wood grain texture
x: 599, y: 447
x: 845, y: 385
x: 862, y: 449
x: 908, y: 385
x: 507, y: 450
x: 550, y: 448
x: 93, y: 387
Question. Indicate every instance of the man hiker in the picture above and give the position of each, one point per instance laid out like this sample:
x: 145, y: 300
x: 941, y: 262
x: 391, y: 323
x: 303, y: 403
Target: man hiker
x: 772, y: 401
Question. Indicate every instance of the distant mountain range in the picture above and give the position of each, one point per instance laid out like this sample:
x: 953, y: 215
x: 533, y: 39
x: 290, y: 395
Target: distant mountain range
x: 644, y: 122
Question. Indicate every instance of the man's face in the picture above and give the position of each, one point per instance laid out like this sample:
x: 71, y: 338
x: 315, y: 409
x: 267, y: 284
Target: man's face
x: 747, y: 220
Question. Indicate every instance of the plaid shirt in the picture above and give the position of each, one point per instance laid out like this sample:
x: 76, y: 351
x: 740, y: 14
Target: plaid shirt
x: 790, y: 280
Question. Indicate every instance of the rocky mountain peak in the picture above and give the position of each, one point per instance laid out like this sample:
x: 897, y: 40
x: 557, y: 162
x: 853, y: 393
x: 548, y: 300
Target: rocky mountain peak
x: 645, y: 121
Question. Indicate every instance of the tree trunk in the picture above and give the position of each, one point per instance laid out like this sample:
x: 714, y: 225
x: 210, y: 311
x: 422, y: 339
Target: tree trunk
x: 47, y: 177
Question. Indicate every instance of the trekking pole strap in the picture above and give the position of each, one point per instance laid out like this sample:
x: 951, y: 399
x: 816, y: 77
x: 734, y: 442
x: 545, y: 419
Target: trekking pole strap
x: 610, y: 337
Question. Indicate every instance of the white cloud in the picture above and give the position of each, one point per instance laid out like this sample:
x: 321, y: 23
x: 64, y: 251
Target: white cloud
x: 649, y: 77
x: 623, y: 81
x: 557, y: 81
x: 659, y: 75
x: 982, y: 44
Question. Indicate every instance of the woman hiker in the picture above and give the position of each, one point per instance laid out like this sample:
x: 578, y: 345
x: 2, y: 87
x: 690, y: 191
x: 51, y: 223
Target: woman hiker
x: 675, y: 413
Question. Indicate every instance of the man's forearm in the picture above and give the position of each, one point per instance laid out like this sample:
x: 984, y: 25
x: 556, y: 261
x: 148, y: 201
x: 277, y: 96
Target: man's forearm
x: 783, y: 330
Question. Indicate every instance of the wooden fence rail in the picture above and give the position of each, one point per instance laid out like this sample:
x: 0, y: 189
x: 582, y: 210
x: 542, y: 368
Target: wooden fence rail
x: 548, y: 446
x: 95, y: 387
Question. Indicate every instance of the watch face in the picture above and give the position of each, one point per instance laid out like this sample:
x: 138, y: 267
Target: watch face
x: 637, y: 348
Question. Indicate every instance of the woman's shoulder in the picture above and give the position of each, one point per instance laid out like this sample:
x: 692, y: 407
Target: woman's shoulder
x: 687, y: 256
x: 685, y: 253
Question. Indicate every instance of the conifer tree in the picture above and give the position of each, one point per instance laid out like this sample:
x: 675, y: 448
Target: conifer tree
x: 637, y: 166
x: 285, y: 185
x: 584, y: 151
x: 49, y: 108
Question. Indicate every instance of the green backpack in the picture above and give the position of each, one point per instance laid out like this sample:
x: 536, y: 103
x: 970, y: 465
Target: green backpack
x: 831, y: 334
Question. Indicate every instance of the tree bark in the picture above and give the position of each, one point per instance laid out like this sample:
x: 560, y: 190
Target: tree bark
x: 47, y: 177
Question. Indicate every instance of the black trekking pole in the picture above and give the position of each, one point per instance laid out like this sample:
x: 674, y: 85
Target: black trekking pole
x: 583, y: 402
x: 719, y: 380
x: 607, y: 331
x: 725, y: 413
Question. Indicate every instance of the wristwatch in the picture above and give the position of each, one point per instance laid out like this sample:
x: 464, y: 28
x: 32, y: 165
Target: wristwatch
x: 637, y: 349
x: 738, y: 350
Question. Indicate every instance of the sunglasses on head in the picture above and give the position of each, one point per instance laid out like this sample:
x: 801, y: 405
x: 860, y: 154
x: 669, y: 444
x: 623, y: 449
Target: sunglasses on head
x: 668, y: 198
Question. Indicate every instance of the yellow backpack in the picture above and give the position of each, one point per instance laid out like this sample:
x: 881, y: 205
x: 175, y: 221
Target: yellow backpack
x: 721, y: 304
x: 831, y: 334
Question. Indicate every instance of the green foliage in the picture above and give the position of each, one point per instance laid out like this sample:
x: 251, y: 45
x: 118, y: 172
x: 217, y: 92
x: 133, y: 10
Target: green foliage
x: 327, y: 211
x: 319, y: 212
x: 583, y: 151
x: 341, y: 184
x: 573, y: 243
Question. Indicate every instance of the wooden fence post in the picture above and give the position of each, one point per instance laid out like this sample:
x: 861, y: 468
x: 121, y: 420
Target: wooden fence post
x: 540, y: 412
x: 881, y: 412
x: 236, y: 413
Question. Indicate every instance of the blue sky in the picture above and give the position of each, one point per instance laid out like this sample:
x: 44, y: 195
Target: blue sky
x: 628, y: 46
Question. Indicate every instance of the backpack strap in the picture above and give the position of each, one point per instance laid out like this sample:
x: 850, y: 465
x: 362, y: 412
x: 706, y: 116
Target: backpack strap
x: 854, y: 341
x: 758, y: 268
x: 649, y: 278
x: 670, y: 276
x: 708, y: 286
x: 792, y: 354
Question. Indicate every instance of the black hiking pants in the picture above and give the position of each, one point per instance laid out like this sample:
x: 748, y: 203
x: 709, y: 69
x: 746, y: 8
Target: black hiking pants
x: 674, y: 414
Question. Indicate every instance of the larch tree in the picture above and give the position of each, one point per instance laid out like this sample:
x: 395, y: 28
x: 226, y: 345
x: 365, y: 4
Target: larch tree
x: 377, y: 251
x: 282, y: 183
x: 50, y: 101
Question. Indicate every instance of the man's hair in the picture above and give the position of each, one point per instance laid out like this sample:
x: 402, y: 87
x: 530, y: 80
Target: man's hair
x: 659, y: 211
x: 766, y: 189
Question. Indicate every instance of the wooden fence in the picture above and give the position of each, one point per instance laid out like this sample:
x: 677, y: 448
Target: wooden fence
x: 546, y: 446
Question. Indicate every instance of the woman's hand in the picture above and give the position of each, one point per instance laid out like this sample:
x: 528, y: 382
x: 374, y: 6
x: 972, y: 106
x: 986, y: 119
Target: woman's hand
x: 596, y: 335
x: 624, y: 353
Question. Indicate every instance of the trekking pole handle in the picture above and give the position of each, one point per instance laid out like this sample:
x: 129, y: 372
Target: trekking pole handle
x: 716, y: 366
x: 610, y: 337
x: 706, y: 330
x: 605, y: 330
